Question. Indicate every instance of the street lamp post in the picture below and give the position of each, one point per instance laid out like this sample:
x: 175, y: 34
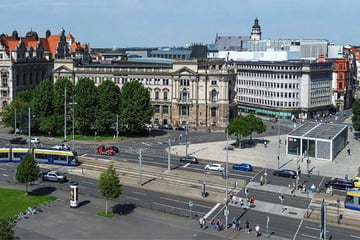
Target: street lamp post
x: 29, y: 127
x: 65, y: 114
x: 226, y: 180
x: 278, y: 153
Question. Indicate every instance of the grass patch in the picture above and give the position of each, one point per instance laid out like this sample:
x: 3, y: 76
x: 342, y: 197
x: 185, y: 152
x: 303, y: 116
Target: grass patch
x: 12, y: 202
x: 92, y: 138
x: 103, y: 214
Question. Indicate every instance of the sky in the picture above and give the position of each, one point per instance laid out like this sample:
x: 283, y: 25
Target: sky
x: 178, y: 23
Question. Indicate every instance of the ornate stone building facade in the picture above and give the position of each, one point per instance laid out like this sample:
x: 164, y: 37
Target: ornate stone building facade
x: 197, y: 93
x: 25, y: 61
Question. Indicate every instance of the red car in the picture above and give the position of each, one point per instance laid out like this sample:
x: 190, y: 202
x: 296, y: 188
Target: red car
x: 102, y: 150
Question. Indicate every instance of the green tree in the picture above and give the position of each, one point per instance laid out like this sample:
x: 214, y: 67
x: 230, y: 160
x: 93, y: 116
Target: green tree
x: 27, y: 170
x: 356, y: 115
x: 20, y: 105
x: 245, y: 126
x: 109, y: 185
x: 7, y: 230
x: 136, y: 108
x: 59, y: 104
x: 108, y: 107
x: 86, y: 104
x: 42, y: 106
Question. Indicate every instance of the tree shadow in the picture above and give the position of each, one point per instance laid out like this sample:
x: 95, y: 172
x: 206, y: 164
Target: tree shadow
x: 43, y: 190
x: 123, y: 209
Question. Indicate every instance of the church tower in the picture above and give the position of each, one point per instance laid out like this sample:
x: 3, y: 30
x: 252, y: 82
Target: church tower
x: 256, y: 31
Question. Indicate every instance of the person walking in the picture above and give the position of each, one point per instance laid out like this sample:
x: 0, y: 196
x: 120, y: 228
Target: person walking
x: 348, y: 151
x: 247, y: 226
x: 261, y: 180
x: 257, y: 230
x: 234, y: 223
x: 237, y: 224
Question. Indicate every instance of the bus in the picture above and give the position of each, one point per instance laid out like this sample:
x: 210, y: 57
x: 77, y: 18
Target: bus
x: 352, y: 199
x: 43, y: 156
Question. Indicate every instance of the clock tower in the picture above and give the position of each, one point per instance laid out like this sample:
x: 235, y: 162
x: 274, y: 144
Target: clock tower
x: 256, y: 31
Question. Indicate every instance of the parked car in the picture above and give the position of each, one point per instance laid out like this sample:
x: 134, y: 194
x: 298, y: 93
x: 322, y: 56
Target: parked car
x: 115, y: 148
x: 166, y: 126
x: 285, y: 173
x: 214, y: 167
x: 18, y: 140
x: 189, y: 159
x: 180, y: 128
x: 34, y: 140
x: 242, y: 167
x: 54, y: 176
x: 22, y: 131
x: 340, y: 183
x: 102, y: 150
x: 229, y: 147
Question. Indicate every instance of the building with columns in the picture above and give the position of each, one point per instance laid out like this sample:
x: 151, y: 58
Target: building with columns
x: 197, y: 93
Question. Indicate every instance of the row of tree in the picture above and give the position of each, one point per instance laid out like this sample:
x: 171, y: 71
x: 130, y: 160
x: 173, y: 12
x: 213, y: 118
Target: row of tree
x: 95, y: 109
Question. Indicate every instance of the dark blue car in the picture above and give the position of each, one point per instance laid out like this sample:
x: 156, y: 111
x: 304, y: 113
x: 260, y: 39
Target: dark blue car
x: 242, y: 167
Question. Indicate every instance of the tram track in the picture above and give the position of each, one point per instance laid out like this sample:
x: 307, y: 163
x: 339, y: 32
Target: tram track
x: 152, y: 174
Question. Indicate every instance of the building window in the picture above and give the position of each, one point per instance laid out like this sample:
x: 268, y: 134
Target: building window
x: 4, y: 80
x: 214, y: 96
x: 165, y: 95
x: 157, y: 108
x: 184, y: 111
x: 157, y: 95
x: 165, y: 109
x: 184, y: 96
x: 213, y: 82
x: 213, y: 112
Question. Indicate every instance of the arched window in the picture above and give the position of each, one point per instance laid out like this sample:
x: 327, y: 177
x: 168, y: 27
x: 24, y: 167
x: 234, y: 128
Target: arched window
x: 214, y: 96
x: 157, y: 95
x: 184, y: 96
x: 213, y: 112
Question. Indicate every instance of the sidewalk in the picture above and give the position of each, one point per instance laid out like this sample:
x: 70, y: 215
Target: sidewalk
x: 342, y: 165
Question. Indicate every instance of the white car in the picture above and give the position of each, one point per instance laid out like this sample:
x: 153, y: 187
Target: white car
x: 61, y: 147
x: 214, y: 167
x: 34, y: 140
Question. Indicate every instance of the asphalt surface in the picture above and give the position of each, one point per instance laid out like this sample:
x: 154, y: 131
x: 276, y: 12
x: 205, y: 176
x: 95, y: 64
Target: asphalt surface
x: 59, y: 221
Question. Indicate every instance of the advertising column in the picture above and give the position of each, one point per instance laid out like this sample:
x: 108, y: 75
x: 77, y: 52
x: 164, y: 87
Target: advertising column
x: 74, y: 195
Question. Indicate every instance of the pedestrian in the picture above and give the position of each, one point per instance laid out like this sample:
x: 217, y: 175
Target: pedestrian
x: 247, y: 226
x: 261, y: 180
x: 201, y: 222
x: 348, y: 151
x: 233, y: 200
x: 257, y: 230
x: 234, y: 223
x: 204, y: 223
x: 252, y: 202
x: 237, y: 224
x: 241, y: 202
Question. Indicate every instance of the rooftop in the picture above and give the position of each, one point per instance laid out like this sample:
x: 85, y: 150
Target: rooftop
x: 318, y: 130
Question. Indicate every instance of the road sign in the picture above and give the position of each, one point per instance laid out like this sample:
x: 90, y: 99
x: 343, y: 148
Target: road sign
x: 226, y: 212
x: 191, y: 203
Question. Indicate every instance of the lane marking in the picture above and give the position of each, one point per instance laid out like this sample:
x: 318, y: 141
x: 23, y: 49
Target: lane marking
x: 2, y: 169
x: 186, y: 165
x: 309, y: 236
x: 5, y: 175
x: 147, y: 144
x: 312, y: 228
x: 139, y: 193
x: 91, y: 183
x: 353, y: 236
x: 185, y: 202
x: 212, y: 210
x: 133, y: 198
x: 298, y: 229
x: 173, y: 207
